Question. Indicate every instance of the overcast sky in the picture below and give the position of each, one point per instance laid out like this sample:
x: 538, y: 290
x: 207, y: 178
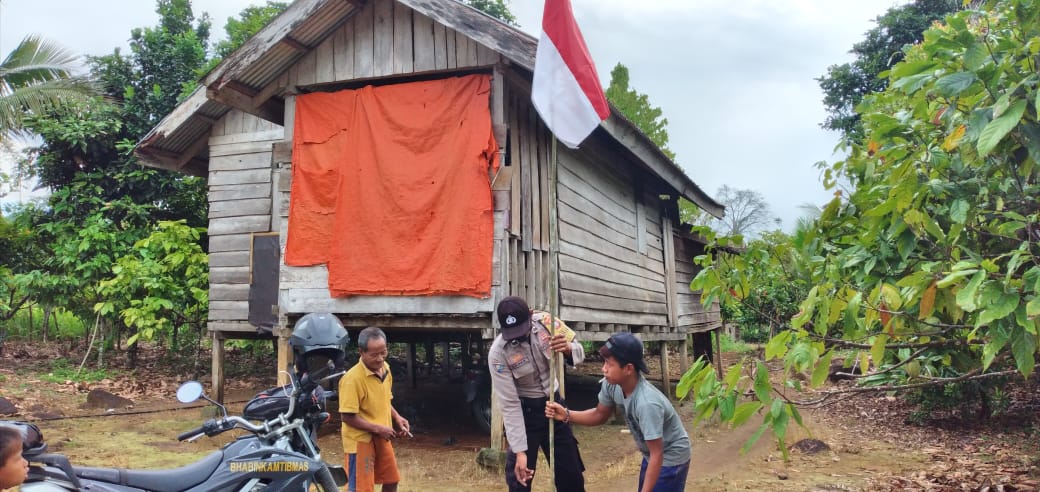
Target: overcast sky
x: 734, y: 78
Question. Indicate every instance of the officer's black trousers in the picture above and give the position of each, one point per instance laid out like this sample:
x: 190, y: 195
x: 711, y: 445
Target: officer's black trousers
x: 569, y: 467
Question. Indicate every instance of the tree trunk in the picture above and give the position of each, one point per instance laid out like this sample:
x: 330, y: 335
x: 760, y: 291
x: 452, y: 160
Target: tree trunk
x: 29, y: 332
x: 101, y: 344
x: 131, y: 356
x: 46, y: 322
x: 198, y: 355
x: 173, y: 339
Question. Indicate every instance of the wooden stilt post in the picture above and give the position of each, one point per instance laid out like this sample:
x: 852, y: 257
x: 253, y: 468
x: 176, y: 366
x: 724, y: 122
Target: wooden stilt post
x: 428, y: 346
x: 285, y: 357
x: 718, y: 353
x: 411, y: 365
x: 684, y: 353
x: 218, y: 366
x: 446, y: 360
x: 666, y: 378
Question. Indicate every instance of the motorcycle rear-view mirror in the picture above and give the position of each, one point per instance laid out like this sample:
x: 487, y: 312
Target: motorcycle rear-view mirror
x: 189, y: 392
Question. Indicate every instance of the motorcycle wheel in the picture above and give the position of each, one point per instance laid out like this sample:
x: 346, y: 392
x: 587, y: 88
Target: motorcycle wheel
x: 325, y: 481
x: 481, y: 408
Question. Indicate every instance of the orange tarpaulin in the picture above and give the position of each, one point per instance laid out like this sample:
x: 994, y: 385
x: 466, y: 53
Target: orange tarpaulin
x: 390, y: 188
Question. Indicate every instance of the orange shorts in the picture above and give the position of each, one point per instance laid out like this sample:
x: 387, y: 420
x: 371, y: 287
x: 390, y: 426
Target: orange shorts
x: 374, y: 462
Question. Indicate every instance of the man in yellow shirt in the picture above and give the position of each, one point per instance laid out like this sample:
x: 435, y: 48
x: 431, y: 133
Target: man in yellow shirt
x: 369, y: 419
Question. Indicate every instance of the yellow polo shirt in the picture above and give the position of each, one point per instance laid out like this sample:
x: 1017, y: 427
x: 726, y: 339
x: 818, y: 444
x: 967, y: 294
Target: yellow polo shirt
x: 363, y: 392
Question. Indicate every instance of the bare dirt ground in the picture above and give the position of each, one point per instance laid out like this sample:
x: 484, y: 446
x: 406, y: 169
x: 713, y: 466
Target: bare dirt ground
x: 872, y: 447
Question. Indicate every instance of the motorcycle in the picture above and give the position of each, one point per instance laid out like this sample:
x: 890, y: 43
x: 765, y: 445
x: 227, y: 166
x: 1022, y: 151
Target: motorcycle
x: 280, y: 453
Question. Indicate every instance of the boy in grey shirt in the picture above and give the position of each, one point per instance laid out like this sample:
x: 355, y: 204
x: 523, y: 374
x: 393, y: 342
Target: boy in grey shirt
x: 653, y: 421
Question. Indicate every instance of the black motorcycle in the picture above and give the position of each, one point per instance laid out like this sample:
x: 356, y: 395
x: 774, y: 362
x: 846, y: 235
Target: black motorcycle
x: 280, y: 453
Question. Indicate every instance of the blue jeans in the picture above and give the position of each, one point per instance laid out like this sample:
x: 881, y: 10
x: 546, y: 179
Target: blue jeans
x: 671, y: 478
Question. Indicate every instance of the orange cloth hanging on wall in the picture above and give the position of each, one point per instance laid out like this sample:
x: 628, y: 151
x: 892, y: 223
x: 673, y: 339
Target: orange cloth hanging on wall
x: 390, y: 188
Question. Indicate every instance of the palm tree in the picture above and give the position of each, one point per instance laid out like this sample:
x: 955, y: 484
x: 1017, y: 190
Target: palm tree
x: 36, y: 78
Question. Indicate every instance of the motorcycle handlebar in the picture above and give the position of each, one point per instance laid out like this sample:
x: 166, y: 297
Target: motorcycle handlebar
x: 214, y: 427
x: 184, y: 436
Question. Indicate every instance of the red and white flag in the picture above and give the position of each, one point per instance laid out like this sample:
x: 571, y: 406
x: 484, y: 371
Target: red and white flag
x: 566, y: 90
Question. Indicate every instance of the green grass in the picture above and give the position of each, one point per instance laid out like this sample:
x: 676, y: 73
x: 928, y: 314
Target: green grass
x: 61, y: 372
x: 68, y: 325
x: 727, y: 344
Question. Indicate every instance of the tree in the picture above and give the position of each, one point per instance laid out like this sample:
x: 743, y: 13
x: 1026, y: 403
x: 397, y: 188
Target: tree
x: 649, y: 119
x: 102, y: 200
x: 746, y: 212
x: 163, y: 66
x: 160, y: 287
x: 89, y: 145
x: 498, y: 9
x: 637, y: 108
x: 926, y: 274
x: 250, y: 20
x: 37, y: 78
x: 845, y: 85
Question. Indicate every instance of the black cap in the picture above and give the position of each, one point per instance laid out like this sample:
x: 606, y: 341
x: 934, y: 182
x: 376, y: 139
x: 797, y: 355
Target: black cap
x: 514, y: 317
x: 627, y: 349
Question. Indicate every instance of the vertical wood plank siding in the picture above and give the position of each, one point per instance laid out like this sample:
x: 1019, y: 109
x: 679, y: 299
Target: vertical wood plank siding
x: 384, y: 39
x: 239, y: 205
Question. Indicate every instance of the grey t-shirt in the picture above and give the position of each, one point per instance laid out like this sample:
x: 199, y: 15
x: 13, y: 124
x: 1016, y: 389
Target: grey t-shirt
x: 650, y: 416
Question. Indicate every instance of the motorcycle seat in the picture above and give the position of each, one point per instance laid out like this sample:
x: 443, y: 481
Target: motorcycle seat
x: 169, y: 480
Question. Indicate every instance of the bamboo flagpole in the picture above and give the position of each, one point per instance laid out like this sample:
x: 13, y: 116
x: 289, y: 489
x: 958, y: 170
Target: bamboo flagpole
x: 569, y: 98
x: 556, y: 362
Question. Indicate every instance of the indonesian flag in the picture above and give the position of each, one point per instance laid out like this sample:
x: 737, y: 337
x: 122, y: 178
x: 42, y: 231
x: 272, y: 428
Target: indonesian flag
x: 566, y: 90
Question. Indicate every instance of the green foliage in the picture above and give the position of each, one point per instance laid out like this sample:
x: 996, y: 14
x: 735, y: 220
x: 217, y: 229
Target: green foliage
x: 758, y: 285
x: 711, y: 396
x: 498, y: 9
x: 729, y: 345
x: 637, y: 108
x: 970, y: 399
x: 37, y: 77
x: 845, y: 85
x: 164, y: 64
x: 88, y: 146
x: 84, y: 249
x: 250, y: 20
x: 64, y: 324
x: 61, y: 372
x: 161, y: 285
x: 927, y: 266
x: 103, y: 202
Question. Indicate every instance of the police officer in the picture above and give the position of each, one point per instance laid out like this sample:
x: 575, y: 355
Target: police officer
x: 519, y: 363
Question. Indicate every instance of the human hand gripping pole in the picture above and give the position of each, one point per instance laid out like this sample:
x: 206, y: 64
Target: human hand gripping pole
x: 552, y: 409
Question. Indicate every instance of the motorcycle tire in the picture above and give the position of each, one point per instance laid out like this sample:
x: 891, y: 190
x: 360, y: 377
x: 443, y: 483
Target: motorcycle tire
x: 325, y: 481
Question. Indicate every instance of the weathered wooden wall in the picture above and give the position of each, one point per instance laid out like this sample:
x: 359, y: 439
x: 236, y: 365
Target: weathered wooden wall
x: 239, y: 205
x: 528, y: 153
x: 385, y: 39
x: 693, y: 316
x: 611, y: 259
x: 616, y: 270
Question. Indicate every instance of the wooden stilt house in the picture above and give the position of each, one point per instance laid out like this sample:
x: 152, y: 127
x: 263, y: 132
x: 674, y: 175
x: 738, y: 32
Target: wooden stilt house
x: 625, y: 259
